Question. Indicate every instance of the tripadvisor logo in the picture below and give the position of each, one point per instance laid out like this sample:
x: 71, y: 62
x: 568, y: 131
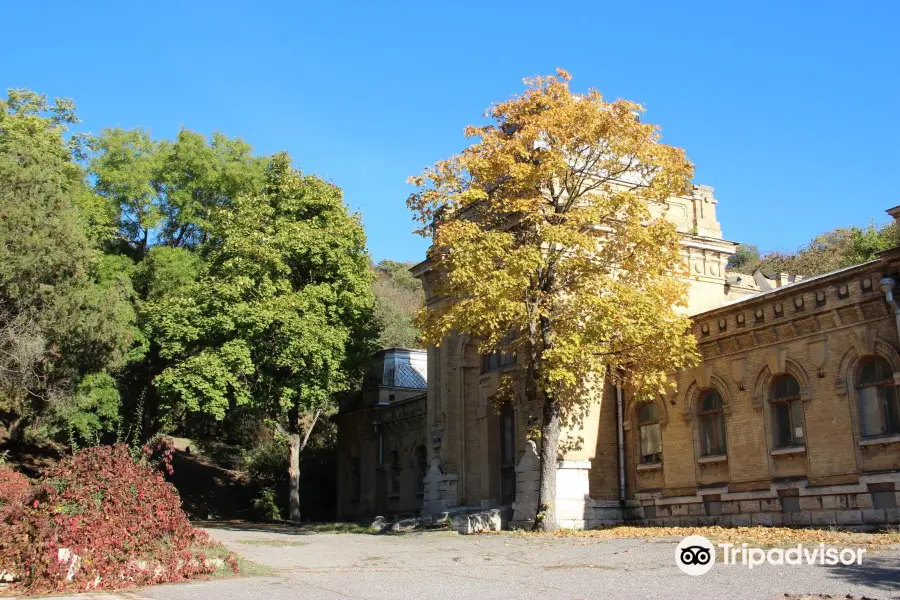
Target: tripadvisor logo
x: 695, y: 555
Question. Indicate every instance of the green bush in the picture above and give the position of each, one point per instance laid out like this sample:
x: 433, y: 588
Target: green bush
x: 265, y: 506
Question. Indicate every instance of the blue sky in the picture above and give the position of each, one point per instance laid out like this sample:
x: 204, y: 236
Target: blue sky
x: 790, y: 110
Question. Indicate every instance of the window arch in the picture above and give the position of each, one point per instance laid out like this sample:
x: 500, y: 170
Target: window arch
x: 879, y: 409
x: 787, y: 411
x: 711, y: 415
x: 649, y: 433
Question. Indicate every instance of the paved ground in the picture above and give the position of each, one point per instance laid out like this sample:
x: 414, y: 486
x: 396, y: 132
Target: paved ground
x: 448, y: 566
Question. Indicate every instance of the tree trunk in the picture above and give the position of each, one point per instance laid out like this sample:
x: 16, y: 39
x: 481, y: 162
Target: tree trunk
x: 294, y: 476
x: 546, y: 517
x: 297, y: 443
x: 16, y: 430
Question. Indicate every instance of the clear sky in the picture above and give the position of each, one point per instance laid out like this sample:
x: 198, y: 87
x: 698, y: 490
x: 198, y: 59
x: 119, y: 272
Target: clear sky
x: 790, y: 110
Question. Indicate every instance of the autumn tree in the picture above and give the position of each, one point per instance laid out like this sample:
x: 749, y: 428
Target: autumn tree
x: 547, y: 237
x: 280, y: 318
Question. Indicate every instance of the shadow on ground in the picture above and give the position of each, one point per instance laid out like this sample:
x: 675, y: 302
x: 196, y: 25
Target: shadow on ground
x: 210, y: 491
x: 880, y: 572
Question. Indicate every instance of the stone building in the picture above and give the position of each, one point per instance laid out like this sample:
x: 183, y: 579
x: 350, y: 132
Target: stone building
x: 382, y: 448
x: 792, y: 417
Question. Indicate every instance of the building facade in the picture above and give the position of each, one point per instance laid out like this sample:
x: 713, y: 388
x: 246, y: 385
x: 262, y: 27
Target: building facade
x: 791, y: 418
x: 382, y: 448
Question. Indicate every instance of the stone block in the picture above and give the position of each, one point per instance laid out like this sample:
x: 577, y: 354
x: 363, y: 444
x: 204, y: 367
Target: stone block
x: 849, y: 517
x: 742, y: 520
x: 760, y: 518
x: 488, y: 520
x: 671, y: 522
x: 378, y: 524
x: 799, y: 519
x: 405, y: 525
x: 835, y: 502
x: 707, y: 521
x: 770, y: 505
x: 696, y: 510
x: 810, y: 503
x: 679, y: 510
x: 730, y: 508
x: 689, y: 521
x: 823, y: 517
x: 714, y: 508
x: 749, y: 506
x: 892, y: 515
x: 860, y: 501
x: 527, y: 479
x: 874, y: 516
x: 663, y: 511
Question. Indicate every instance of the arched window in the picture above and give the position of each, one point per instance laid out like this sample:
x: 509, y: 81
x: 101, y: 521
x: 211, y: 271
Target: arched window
x: 787, y: 411
x: 712, y: 424
x: 394, y: 489
x: 648, y: 426
x: 879, y: 413
x: 421, y: 467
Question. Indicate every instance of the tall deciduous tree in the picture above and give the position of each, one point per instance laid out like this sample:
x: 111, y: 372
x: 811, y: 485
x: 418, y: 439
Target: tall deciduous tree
x: 282, y: 315
x: 546, y: 244
x: 64, y: 307
x: 162, y: 191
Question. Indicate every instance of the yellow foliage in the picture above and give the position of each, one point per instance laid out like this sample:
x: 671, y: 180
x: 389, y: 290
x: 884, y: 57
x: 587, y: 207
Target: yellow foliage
x: 542, y: 228
x: 766, y: 537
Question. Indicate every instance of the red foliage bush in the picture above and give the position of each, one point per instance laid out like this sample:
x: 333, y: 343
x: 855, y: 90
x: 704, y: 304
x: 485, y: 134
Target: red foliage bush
x: 13, y: 486
x: 159, y: 452
x: 118, y: 516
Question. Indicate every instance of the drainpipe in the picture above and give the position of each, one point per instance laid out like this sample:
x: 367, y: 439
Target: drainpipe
x: 887, y: 286
x: 620, y: 431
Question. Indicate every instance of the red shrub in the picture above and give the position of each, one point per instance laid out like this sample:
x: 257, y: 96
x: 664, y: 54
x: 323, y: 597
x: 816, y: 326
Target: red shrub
x: 119, y: 517
x: 13, y: 486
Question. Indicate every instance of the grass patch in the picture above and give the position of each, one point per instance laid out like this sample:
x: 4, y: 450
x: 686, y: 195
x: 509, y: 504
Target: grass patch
x: 336, y: 528
x: 246, y: 568
x: 760, y: 537
x: 271, y: 543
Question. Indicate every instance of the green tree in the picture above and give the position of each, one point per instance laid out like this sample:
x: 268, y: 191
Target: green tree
x: 836, y: 249
x: 163, y: 192
x: 161, y: 195
x: 281, y: 317
x: 745, y: 259
x: 398, y: 297
x: 545, y: 247
x: 65, y: 308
